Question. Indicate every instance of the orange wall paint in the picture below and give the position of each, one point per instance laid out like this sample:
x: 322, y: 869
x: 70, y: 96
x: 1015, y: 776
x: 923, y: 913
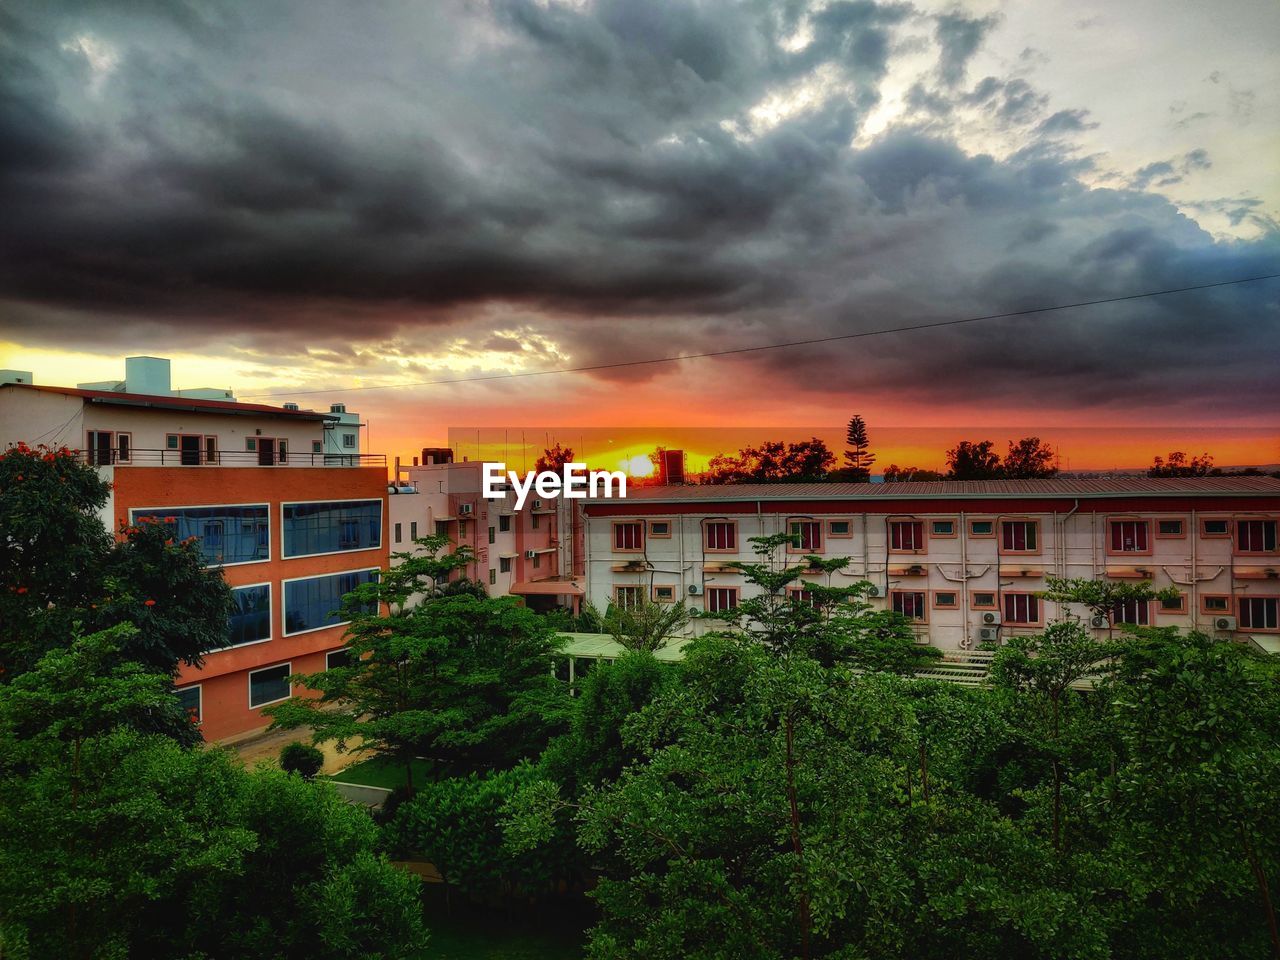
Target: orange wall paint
x: 224, y: 677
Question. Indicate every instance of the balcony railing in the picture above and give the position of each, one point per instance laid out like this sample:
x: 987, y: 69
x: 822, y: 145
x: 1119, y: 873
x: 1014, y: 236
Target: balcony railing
x: 228, y: 458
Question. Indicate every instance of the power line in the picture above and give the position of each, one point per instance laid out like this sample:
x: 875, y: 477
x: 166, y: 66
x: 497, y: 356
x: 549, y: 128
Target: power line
x: 773, y: 346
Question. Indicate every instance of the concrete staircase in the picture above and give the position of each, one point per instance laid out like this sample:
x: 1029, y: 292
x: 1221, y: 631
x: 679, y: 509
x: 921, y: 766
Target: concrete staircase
x: 968, y: 668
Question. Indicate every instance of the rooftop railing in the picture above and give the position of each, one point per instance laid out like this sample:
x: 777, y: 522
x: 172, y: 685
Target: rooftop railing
x: 136, y: 457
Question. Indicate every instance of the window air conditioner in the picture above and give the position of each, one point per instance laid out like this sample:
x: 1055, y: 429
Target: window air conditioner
x: 530, y: 554
x: 695, y: 589
x: 1224, y: 623
x: 465, y: 508
x: 988, y: 634
x: 990, y: 618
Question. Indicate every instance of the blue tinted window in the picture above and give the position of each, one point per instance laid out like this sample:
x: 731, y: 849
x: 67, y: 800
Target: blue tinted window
x: 314, y: 602
x: 269, y: 685
x: 189, y: 700
x: 250, y: 617
x: 332, y: 527
x: 226, y: 534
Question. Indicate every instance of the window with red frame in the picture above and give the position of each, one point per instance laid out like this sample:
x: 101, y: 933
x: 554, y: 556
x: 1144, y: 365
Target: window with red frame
x: 628, y: 597
x: 1260, y: 613
x: 628, y: 536
x: 1021, y: 608
x: 804, y: 596
x: 1130, y: 536
x: 1019, y: 536
x: 1137, y: 612
x: 1256, y: 536
x: 808, y: 534
x: 721, y: 535
x: 906, y: 535
x: 909, y: 603
x: 721, y: 599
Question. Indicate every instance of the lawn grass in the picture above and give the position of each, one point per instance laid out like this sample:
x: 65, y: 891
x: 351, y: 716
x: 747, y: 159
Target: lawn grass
x: 376, y: 772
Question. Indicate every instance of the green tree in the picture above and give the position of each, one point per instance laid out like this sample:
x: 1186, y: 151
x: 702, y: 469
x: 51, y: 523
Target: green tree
x: 60, y: 568
x: 896, y: 474
x: 973, y: 460
x: 1178, y: 464
x: 1102, y: 597
x: 553, y: 458
x: 646, y: 625
x: 1196, y: 794
x: 858, y: 457
x: 1030, y: 459
x: 461, y: 680
x: 115, y: 842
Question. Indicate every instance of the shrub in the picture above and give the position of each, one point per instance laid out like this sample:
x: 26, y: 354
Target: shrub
x: 301, y: 758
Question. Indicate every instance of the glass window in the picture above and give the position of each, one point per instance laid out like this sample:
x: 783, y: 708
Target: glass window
x: 413, y: 529
x: 628, y: 597
x: 1260, y: 613
x: 337, y: 658
x: 269, y: 685
x: 504, y: 564
x: 1021, y: 608
x: 906, y: 535
x: 349, y: 440
x: 628, y: 536
x: 721, y: 599
x: 1215, y: 528
x: 493, y: 535
x: 226, y: 534
x: 398, y: 532
x: 944, y: 528
x: 332, y: 527
x: 1129, y: 536
x: 1170, y: 528
x: 504, y: 522
x: 1256, y: 536
x: 1216, y: 604
x: 189, y: 700
x: 1019, y: 536
x: 840, y: 528
x: 721, y: 535
x: 1137, y: 612
x: 250, y: 618
x: 944, y: 598
x: 660, y: 528
x: 984, y: 599
x: 981, y: 528
x: 493, y: 576
x: 315, y: 601
x: 806, y: 536
x: 909, y: 603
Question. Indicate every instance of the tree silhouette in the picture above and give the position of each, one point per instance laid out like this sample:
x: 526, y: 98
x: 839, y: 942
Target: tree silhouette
x: 858, y: 458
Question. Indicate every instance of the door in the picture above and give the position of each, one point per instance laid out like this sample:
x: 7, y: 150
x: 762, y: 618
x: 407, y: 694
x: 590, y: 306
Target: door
x: 102, y: 448
x: 189, y: 445
x: 266, y: 451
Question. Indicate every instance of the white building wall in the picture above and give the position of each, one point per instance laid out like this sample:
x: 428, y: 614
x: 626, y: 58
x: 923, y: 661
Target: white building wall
x: 1070, y: 546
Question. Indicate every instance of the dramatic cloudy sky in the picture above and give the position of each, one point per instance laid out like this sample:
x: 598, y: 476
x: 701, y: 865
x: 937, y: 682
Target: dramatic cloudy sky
x: 296, y: 197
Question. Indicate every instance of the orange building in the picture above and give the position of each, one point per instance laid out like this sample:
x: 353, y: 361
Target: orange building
x: 292, y: 527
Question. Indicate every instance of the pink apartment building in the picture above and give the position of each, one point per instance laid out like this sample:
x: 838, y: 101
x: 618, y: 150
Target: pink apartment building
x: 963, y: 560
x: 526, y: 553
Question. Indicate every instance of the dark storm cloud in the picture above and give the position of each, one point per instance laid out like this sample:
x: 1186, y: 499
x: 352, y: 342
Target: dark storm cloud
x: 338, y: 183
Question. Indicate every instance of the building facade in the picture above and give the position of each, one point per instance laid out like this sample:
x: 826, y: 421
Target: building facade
x: 292, y: 526
x: 964, y: 561
x: 526, y: 553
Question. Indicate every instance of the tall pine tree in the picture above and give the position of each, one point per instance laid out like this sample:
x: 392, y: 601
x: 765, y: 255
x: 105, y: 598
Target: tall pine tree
x: 858, y: 458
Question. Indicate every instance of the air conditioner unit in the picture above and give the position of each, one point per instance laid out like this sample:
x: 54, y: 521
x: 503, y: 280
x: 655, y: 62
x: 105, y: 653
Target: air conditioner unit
x: 695, y: 589
x: 988, y: 634
x: 465, y: 507
x: 1224, y: 623
x: 873, y: 591
x: 1099, y: 623
x: 530, y: 554
x: 990, y: 618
